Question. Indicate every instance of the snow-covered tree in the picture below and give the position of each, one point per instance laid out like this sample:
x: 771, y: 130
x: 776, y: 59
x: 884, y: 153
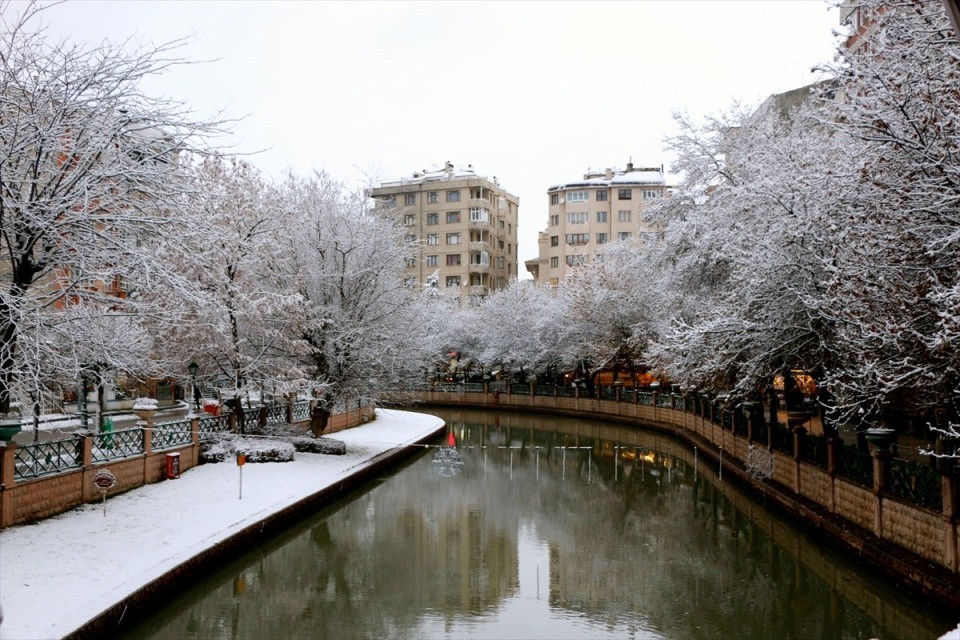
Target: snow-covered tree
x: 514, y: 329
x: 894, y: 254
x: 241, y: 264
x: 824, y: 237
x: 88, y: 173
x: 358, y: 317
x: 742, y: 252
x: 607, y: 319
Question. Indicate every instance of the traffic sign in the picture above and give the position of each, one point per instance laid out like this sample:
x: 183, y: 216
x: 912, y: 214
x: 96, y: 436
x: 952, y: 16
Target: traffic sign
x: 104, y: 479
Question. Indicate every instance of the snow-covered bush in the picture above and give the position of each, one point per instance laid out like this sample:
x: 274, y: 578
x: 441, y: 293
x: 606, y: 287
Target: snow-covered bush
x: 255, y: 450
x: 145, y: 404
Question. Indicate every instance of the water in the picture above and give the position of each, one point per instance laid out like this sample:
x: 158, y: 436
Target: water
x: 544, y: 527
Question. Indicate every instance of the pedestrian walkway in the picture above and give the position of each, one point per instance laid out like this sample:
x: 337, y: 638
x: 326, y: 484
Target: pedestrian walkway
x: 61, y: 573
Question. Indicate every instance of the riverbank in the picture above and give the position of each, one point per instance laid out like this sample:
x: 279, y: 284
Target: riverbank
x: 82, y: 572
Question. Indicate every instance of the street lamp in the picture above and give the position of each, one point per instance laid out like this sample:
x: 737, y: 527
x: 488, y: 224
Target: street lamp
x: 193, y: 368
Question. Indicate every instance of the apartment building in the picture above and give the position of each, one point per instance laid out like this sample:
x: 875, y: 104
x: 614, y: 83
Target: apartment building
x: 465, y: 225
x: 585, y: 215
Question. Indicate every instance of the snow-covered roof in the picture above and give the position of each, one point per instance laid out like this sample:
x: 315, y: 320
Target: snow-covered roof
x: 645, y: 176
x: 446, y: 173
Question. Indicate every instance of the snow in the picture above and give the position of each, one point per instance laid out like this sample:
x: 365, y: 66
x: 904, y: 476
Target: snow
x: 60, y: 573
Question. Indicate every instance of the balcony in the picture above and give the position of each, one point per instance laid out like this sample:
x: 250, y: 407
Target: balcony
x: 478, y: 268
x: 480, y: 245
x: 483, y: 203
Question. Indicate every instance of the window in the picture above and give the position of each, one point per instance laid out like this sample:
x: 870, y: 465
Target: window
x: 432, y: 197
x: 650, y: 195
x: 574, y: 261
x: 554, y: 198
x: 501, y: 262
x: 410, y: 262
x: 453, y: 259
x: 453, y: 196
x: 578, y: 238
x: 624, y: 194
x: 433, y: 218
x: 624, y: 235
x: 390, y: 201
x: 433, y: 238
x: 453, y: 281
x: 601, y: 216
x: 410, y: 238
x: 554, y: 262
x: 577, y: 217
x: 601, y: 238
x: 554, y: 220
x: 554, y: 241
x: 601, y: 195
x: 480, y: 258
x: 623, y: 216
x: 433, y: 261
x: 453, y: 238
x: 453, y: 217
x: 409, y: 199
x: 479, y: 214
x: 409, y: 220
x: 578, y: 196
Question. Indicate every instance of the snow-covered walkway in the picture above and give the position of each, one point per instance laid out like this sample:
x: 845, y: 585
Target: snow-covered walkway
x: 62, y: 572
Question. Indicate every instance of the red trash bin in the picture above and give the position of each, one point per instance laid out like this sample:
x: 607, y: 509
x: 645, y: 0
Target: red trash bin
x: 173, y: 466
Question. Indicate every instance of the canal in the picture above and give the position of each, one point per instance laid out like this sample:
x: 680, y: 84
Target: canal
x: 524, y: 526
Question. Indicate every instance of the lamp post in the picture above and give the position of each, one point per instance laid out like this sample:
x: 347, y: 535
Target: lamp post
x: 82, y: 398
x: 193, y: 368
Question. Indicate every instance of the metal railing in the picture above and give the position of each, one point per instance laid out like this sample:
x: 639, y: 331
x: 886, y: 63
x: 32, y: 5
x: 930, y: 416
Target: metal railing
x: 915, y: 483
x: 277, y: 414
x: 212, y: 427
x: 51, y: 457
x: 117, y: 444
x: 171, y: 434
x: 855, y: 466
x: 301, y: 411
x: 43, y: 458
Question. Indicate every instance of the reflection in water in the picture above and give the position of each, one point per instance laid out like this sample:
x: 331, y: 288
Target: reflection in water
x: 543, y: 527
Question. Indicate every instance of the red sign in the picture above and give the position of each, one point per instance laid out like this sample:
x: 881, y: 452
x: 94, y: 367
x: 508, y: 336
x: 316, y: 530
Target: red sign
x: 104, y: 479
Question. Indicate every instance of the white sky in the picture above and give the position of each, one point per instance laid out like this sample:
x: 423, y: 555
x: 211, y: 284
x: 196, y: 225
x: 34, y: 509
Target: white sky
x: 531, y: 92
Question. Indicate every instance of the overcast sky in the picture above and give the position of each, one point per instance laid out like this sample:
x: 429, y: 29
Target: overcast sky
x: 533, y: 93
